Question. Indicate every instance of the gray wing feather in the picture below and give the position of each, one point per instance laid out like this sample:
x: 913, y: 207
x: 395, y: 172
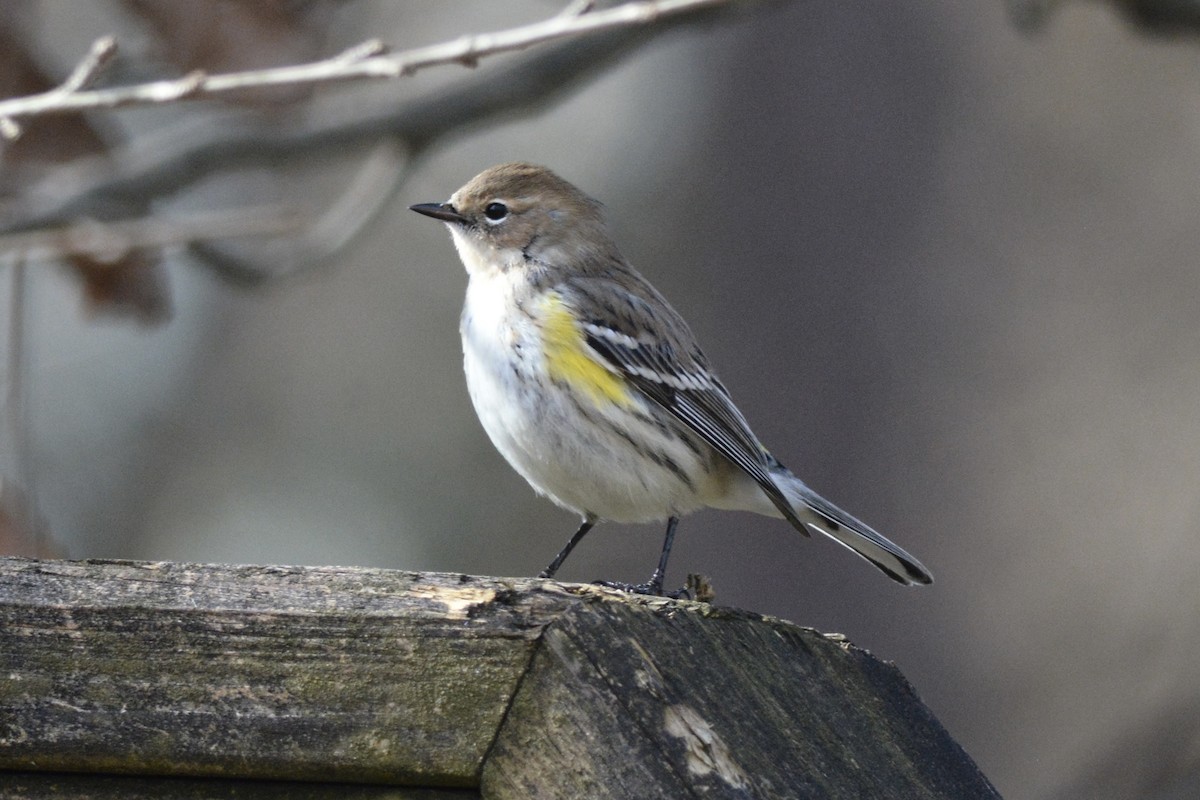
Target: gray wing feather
x: 697, y: 399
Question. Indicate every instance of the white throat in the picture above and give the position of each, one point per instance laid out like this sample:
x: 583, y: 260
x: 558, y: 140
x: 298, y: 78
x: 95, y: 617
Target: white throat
x: 480, y: 258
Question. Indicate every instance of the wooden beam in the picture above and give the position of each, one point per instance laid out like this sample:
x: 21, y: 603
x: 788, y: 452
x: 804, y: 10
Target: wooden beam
x: 259, y: 672
x: 89, y: 786
x: 628, y: 702
x: 516, y: 688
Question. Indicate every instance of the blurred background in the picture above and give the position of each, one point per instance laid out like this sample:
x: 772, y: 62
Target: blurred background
x: 942, y: 254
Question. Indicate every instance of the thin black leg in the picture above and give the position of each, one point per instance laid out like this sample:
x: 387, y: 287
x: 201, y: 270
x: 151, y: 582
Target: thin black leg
x: 654, y: 586
x: 660, y: 572
x: 588, y: 524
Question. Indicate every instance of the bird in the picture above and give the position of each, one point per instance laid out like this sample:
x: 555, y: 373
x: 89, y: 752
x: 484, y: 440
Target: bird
x: 593, y: 387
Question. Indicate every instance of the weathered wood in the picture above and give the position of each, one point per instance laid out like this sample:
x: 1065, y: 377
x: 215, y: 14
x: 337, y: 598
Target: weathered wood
x: 522, y: 688
x: 670, y: 702
x: 59, y: 785
x: 259, y: 672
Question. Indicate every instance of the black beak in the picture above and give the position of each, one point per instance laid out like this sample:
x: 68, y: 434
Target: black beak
x: 443, y: 211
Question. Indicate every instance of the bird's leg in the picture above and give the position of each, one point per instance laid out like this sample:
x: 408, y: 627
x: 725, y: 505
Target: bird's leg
x: 660, y: 572
x: 654, y: 586
x: 588, y: 523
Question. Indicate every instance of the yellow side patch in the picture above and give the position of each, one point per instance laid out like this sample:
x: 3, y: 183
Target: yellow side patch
x: 569, y: 360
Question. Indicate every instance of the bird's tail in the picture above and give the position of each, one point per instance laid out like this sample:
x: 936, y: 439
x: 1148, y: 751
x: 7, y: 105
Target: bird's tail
x: 820, y: 515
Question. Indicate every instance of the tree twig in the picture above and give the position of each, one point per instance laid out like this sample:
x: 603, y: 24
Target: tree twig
x: 139, y: 176
x: 128, y: 183
x: 86, y: 71
x: 363, y: 61
x: 84, y: 74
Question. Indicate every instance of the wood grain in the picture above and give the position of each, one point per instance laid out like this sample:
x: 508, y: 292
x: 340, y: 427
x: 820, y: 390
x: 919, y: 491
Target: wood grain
x: 194, y: 678
x: 673, y: 702
x: 259, y: 672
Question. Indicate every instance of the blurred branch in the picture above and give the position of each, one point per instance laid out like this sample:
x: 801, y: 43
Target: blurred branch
x: 127, y: 183
x: 1158, y: 17
x: 20, y: 529
x: 320, y: 240
x: 110, y: 241
x: 367, y: 60
x: 133, y: 179
x: 87, y: 70
x: 84, y: 75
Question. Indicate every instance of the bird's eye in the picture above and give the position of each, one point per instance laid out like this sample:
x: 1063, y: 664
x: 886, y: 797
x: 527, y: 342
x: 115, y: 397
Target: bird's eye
x: 495, y: 211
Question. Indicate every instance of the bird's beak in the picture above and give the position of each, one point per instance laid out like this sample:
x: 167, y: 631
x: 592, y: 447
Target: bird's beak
x: 443, y: 211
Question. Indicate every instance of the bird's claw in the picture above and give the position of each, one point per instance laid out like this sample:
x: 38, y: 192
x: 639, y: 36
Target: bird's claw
x: 651, y: 588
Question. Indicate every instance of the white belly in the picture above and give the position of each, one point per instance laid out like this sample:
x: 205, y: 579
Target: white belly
x: 562, y: 443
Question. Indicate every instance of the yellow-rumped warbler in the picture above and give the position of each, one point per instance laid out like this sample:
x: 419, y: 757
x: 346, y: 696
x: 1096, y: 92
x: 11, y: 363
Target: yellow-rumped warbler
x: 592, y: 386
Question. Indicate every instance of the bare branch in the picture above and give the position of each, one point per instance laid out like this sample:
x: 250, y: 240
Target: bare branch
x: 87, y: 70
x: 364, y: 61
x: 127, y: 183
x: 318, y: 242
x: 83, y: 76
x: 110, y: 241
x: 137, y: 177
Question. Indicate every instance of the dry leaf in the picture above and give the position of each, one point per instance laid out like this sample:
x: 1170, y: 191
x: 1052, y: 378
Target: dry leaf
x: 129, y: 283
x: 133, y: 285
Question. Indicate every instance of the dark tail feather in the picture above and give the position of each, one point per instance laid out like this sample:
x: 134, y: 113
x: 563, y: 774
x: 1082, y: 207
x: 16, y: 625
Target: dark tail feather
x: 850, y: 532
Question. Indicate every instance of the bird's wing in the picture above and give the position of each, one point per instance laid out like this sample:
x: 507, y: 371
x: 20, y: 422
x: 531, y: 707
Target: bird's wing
x: 682, y: 384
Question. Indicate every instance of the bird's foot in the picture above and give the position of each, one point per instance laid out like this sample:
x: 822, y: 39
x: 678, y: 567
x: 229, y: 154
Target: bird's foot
x: 652, y: 588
